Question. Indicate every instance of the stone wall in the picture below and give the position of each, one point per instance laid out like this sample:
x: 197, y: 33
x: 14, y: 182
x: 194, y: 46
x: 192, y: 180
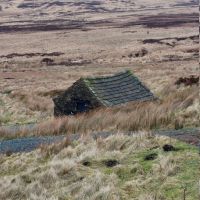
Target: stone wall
x: 78, y: 98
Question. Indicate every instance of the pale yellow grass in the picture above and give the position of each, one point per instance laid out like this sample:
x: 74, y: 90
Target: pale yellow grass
x: 62, y: 175
x: 26, y: 83
x: 178, y: 108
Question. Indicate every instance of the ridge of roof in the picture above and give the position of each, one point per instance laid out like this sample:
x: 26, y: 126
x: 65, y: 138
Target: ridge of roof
x: 108, y: 76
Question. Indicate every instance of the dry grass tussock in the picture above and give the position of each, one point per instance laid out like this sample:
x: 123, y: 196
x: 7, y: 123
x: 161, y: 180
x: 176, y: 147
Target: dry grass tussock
x: 34, y: 102
x: 177, y: 108
x: 21, y: 107
x: 47, y: 150
x: 77, y: 171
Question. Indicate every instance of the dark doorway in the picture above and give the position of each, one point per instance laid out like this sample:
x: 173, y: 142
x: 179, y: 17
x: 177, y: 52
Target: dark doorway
x: 82, y: 105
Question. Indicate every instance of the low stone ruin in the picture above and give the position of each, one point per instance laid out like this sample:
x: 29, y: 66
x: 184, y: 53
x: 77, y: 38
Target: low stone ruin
x: 90, y: 93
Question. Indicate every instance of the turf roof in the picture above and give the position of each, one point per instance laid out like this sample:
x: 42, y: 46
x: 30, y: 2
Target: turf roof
x: 120, y: 88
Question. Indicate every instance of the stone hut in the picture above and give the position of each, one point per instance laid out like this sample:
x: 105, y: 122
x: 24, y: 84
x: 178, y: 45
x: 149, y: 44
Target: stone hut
x: 89, y: 93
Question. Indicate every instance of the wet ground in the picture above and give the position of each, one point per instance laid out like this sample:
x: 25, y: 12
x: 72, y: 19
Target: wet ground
x: 190, y: 136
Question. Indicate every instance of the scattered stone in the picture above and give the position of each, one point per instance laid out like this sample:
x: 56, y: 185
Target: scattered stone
x: 151, y: 156
x: 168, y: 147
x: 111, y: 163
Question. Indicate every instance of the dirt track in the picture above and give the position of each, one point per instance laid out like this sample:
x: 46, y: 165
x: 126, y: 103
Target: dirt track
x: 190, y: 136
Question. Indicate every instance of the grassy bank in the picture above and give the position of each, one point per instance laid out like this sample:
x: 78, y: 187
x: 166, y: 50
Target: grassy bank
x: 112, y: 168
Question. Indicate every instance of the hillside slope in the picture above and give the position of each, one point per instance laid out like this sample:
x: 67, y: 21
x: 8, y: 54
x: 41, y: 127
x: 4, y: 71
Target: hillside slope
x: 118, y: 167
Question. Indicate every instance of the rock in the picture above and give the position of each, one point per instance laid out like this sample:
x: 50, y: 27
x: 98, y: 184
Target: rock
x: 111, y: 163
x: 168, y: 147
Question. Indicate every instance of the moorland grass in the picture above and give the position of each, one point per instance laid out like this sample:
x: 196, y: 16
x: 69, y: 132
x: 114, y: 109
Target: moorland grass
x: 175, y: 109
x: 61, y: 174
